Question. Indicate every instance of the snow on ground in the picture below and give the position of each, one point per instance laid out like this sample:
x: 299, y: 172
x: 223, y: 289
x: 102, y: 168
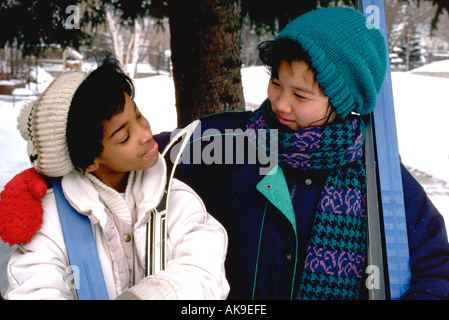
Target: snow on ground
x: 422, y: 112
x: 437, y: 67
x: 421, y: 108
x: 155, y: 98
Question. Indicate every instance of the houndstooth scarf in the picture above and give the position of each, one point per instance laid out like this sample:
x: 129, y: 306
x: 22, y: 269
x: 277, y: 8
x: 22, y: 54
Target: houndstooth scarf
x: 335, y: 257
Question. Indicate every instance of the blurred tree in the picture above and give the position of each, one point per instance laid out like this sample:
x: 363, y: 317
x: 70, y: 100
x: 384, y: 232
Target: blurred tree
x: 441, y: 5
x: 32, y: 25
x: 411, y: 50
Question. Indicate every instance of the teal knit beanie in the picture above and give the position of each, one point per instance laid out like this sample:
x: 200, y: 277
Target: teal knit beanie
x: 349, y: 57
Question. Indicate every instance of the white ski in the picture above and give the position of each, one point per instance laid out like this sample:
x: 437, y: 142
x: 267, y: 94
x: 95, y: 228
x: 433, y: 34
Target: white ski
x: 157, y: 225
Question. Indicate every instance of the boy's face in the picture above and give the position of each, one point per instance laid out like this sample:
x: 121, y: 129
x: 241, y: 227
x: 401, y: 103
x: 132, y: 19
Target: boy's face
x: 296, y: 98
x: 128, y: 145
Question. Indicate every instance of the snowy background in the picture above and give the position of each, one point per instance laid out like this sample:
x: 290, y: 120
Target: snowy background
x: 421, y: 106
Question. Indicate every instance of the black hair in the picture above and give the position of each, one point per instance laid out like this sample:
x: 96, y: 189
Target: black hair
x: 272, y: 52
x: 99, y: 97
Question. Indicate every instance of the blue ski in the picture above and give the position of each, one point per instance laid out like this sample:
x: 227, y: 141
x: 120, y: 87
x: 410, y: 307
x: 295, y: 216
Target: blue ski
x: 386, y: 167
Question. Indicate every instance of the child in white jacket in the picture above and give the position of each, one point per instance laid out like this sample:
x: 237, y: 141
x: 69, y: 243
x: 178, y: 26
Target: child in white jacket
x: 88, y: 130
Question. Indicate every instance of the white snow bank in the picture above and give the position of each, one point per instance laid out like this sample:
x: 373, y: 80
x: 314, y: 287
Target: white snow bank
x: 422, y: 112
x: 437, y: 66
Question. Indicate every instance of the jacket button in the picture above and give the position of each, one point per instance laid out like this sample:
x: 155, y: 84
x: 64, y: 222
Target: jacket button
x: 289, y: 256
x: 127, y: 238
x: 308, y: 182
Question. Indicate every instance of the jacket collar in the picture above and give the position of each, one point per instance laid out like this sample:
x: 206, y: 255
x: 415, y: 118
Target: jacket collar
x: 274, y: 188
x: 87, y: 194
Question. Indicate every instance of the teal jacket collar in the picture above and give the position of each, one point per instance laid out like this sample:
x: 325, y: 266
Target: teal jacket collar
x: 274, y: 188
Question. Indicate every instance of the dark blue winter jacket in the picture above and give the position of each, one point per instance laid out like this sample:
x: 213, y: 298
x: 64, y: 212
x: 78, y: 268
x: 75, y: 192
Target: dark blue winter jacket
x: 269, y: 218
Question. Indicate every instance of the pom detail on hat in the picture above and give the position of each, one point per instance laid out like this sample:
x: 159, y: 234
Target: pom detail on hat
x: 23, y: 119
x: 21, y: 207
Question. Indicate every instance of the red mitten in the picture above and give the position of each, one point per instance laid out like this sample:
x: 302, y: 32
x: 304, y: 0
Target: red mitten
x: 21, y: 207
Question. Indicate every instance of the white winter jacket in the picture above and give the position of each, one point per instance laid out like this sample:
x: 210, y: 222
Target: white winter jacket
x: 196, y: 242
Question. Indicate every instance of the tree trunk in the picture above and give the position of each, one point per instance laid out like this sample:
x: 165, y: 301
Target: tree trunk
x: 114, y: 30
x: 205, y: 42
x: 137, y: 34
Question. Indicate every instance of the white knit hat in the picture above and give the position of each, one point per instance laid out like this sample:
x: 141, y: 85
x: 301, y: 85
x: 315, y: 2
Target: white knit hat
x: 43, y: 124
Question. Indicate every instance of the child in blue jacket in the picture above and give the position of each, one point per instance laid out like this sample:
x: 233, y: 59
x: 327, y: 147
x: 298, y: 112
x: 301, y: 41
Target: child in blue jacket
x: 297, y: 220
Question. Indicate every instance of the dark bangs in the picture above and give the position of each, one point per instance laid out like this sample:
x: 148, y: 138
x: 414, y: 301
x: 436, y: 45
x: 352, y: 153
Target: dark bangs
x: 272, y: 52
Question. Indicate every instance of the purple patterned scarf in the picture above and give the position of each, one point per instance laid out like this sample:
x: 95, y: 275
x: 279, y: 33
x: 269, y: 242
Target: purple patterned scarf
x: 335, y: 258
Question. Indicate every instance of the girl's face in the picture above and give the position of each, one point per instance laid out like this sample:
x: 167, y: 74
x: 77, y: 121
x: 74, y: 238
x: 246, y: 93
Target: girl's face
x: 296, y: 98
x: 128, y: 145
